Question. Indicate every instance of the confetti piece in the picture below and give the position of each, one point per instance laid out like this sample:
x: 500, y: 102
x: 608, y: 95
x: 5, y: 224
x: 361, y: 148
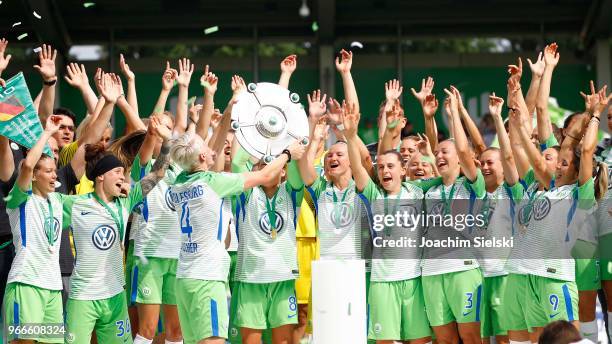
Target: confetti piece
x: 37, y: 49
x: 17, y: 24
x: 157, y: 110
x: 205, y: 84
x: 357, y: 45
x: 393, y: 124
x: 315, y: 26
x: 22, y: 36
x: 36, y: 15
x: 191, y: 100
x: 211, y: 30
x: 175, y: 82
x: 88, y: 4
x: 14, y: 146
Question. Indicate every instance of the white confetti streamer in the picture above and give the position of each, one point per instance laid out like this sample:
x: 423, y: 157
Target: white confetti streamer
x: 16, y: 24
x: 357, y: 45
x: 36, y: 15
x: 37, y: 49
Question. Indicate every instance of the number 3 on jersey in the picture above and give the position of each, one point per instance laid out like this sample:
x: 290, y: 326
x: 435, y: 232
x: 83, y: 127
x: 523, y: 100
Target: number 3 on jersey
x: 185, y: 223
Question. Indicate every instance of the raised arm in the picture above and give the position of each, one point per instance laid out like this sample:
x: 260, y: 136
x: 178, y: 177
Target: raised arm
x: 317, y: 134
x: 551, y: 58
x: 466, y: 159
x: 343, y: 65
x: 131, y: 86
x: 268, y: 173
x: 110, y: 89
x: 507, y: 159
x: 26, y: 169
x: 431, y: 129
x: 168, y: 80
x: 393, y: 92
x: 7, y: 165
x: 393, y: 129
x: 132, y: 120
x: 210, y: 82
x: 537, y: 69
x: 217, y: 142
x: 4, y: 60
x: 350, y: 123
x: 76, y: 76
x: 430, y: 107
x: 589, y: 142
x: 183, y: 79
x: 46, y: 68
x: 158, y: 170
x: 471, y: 127
x: 147, y: 148
x: 287, y: 67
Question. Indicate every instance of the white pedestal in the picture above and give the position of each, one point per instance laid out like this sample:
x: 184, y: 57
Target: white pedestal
x: 339, y: 302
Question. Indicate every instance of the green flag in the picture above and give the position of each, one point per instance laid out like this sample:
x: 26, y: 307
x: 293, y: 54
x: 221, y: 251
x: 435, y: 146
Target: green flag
x: 18, y: 118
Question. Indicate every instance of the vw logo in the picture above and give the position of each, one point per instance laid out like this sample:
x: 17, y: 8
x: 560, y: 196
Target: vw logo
x: 541, y: 208
x: 169, y: 200
x: 264, y: 223
x: 103, y: 237
x: 524, y: 215
x: 56, y: 228
x: 437, y: 209
x: 341, y: 215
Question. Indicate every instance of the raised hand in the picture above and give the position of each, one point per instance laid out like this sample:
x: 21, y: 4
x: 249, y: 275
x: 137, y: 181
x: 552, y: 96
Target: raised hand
x: 393, y: 90
x: 424, y: 146
x: 393, y: 116
x: 321, y: 128
x: 495, y: 105
x: 238, y: 84
x: 513, y: 86
x: 537, y: 68
x: 427, y: 86
x: 52, y: 125
x: 447, y: 108
x: 350, y: 120
x: 77, y: 76
x: 590, y: 100
x: 452, y: 99
x: 169, y: 77
x: 209, y: 80
x: 430, y: 106
x: 98, y: 79
x: 4, y: 60
x: 159, y: 129
x: 215, y: 119
x: 344, y: 62
x: 516, y: 71
x: 289, y: 64
x: 194, y: 112
x: 125, y: 69
x: 296, y: 149
x: 316, y: 104
x: 110, y: 88
x: 334, y: 111
x: 185, y: 71
x: 46, y: 66
x: 551, y: 56
x: 602, y: 100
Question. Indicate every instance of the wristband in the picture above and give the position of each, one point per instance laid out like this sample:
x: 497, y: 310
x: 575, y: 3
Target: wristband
x: 570, y: 136
x: 50, y: 83
x: 288, y: 153
x: 595, y: 117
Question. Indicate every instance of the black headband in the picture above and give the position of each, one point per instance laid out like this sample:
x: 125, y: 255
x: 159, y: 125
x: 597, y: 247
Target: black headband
x: 104, y: 165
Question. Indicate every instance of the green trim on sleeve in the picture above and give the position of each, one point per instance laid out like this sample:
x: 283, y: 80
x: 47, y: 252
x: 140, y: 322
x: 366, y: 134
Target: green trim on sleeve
x: 134, y: 197
x: 426, y: 184
x: 136, y: 170
x: 586, y: 195
x: 371, y: 191
x: 294, y: 178
x: 551, y: 141
x: 240, y: 161
x: 319, y: 186
x: 16, y: 197
x: 517, y: 191
x: 478, y: 185
x: 67, y: 203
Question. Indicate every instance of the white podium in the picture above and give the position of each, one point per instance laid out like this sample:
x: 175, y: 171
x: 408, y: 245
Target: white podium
x: 339, y: 302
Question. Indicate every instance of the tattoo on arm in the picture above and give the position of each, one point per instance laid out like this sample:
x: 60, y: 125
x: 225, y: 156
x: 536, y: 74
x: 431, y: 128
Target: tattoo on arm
x: 157, y: 170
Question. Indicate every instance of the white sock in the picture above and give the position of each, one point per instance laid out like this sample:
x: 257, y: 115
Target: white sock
x: 142, y: 340
x: 511, y: 342
x: 169, y: 342
x: 588, y: 330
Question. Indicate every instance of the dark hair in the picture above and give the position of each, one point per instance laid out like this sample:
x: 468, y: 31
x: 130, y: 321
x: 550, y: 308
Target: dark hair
x: 569, y: 118
x: 62, y: 111
x: 42, y: 158
x: 394, y: 152
x: 489, y: 149
x: 559, y: 332
x: 126, y: 148
x: 93, y: 154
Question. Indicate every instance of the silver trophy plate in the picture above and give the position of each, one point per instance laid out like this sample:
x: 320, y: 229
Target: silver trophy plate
x: 267, y: 118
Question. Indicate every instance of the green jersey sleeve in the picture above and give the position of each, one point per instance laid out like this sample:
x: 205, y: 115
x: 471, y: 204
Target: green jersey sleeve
x: 67, y: 202
x: 529, y: 178
x: 477, y: 186
x: 516, y: 191
x: 371, y: 191
x: 294, y: 179
x: 134, y: 197
x: 317, y: 188
x: 551, y: 141
x: 16, y: 197
x: 226, y: 184
x: 240, y: 161
x: 586, y: 195
x: 426, y: 184
x: 138, y: 171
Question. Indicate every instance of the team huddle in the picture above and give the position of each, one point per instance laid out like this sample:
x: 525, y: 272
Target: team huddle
x: 174, y: 231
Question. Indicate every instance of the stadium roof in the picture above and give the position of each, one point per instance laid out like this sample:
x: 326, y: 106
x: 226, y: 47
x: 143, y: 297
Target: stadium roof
x: 68, y: 22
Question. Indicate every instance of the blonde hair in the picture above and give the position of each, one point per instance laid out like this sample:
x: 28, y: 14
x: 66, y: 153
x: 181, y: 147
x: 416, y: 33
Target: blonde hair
x: 186, y: 151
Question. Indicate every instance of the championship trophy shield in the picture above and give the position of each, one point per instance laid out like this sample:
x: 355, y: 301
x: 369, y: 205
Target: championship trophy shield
x: 267, y: 118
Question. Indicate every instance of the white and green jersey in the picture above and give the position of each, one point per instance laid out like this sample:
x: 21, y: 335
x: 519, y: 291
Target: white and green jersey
x: 555, y: 224
x: 267, y: 252
x: 499, y: 207
x: 36, y: 225
x: 199, y: 200
x: 450, y: 200
x: 155, y: 221
x: 340, y: 218
x: 98, y: 230
x: 394, y: 264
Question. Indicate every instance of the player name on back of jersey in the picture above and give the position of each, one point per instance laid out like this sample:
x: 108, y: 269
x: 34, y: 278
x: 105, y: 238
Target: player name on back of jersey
x: 449, y: 242
x: 184, y: 196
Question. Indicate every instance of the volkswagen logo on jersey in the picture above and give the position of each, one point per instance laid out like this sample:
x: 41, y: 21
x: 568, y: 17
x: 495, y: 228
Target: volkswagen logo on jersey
x: 437, y: 209
x: 541, y: 208
x: 524, y: 215
x: 264, y: 223
x: 341, y: 215
x: 103, y: 237
x: 169, y: 200
x: 56, y: 229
